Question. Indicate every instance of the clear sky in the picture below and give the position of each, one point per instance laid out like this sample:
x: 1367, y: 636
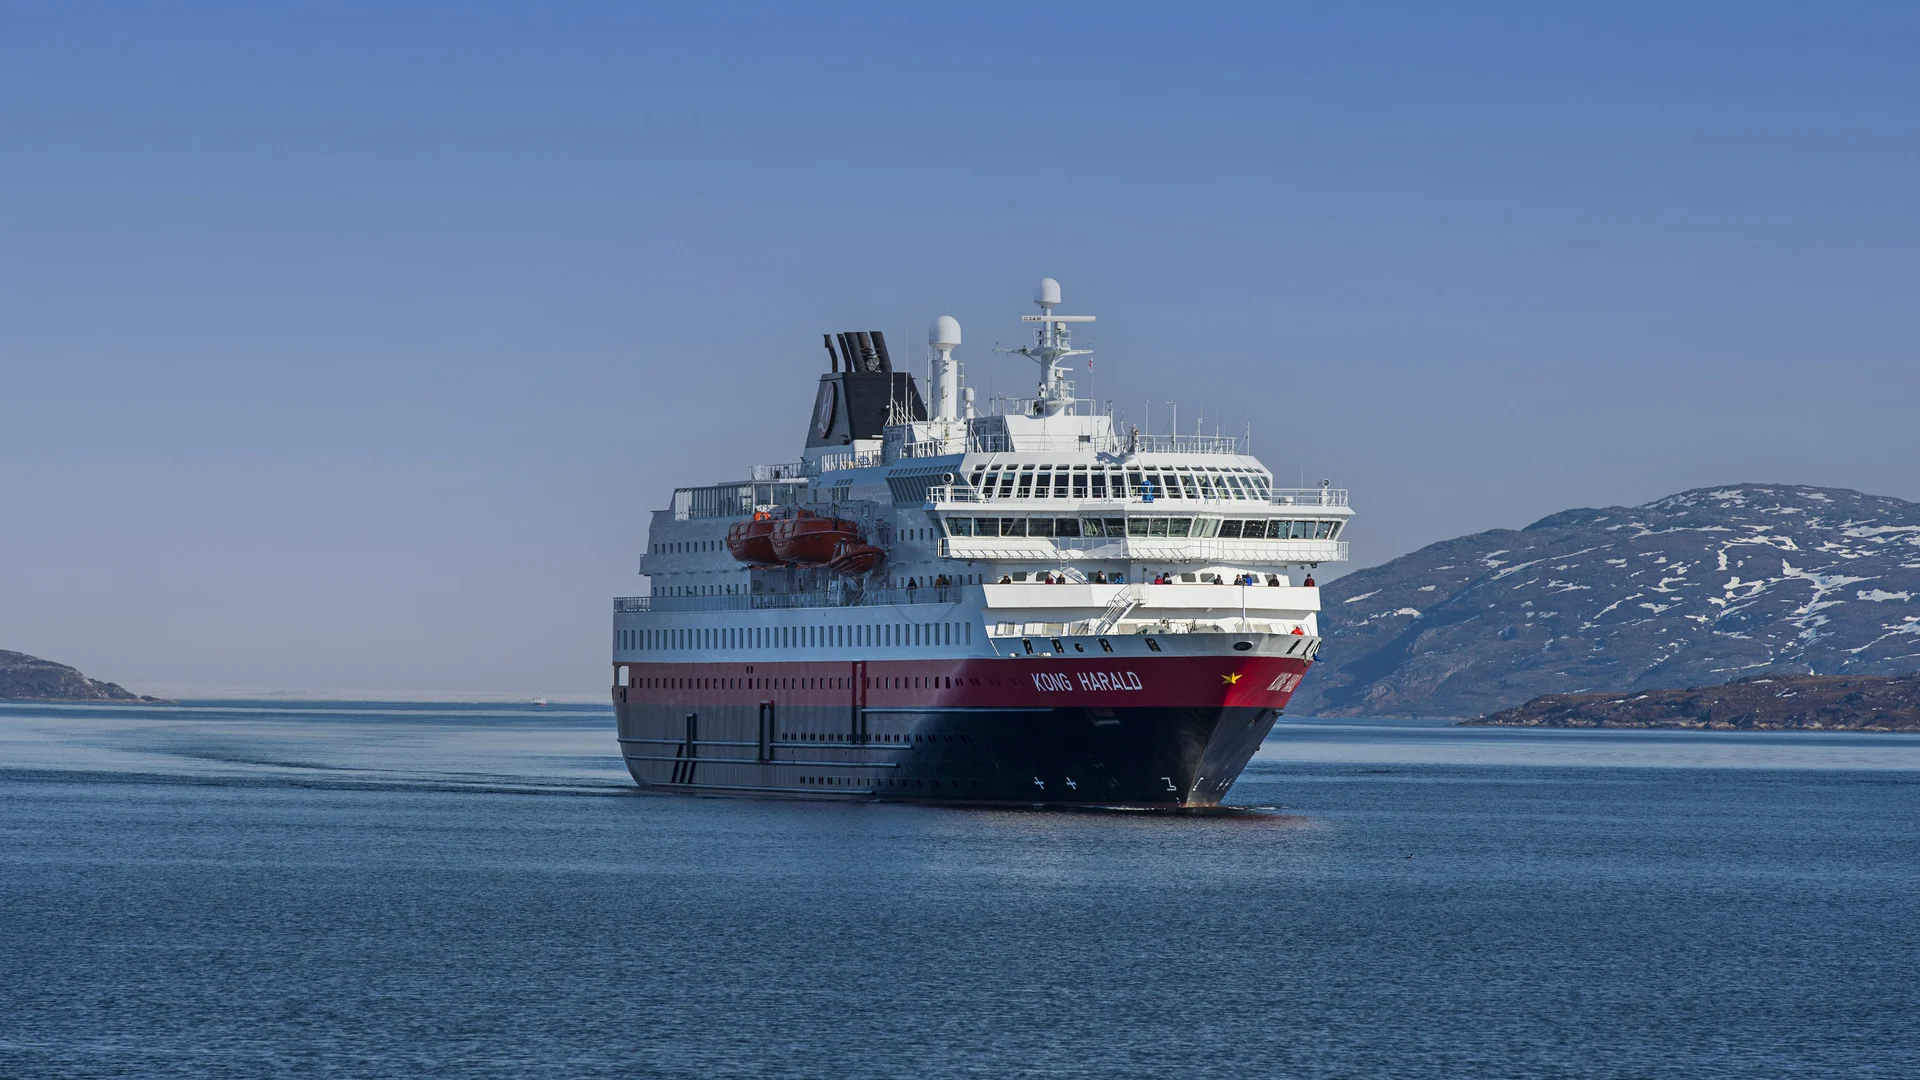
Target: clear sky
x: 347, y: 347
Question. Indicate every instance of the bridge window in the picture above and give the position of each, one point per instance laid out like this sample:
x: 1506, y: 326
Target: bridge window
x: 1099, y: 482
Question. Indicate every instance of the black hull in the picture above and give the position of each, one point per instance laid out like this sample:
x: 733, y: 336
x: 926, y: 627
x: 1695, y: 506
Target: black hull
x: 1149, y: 756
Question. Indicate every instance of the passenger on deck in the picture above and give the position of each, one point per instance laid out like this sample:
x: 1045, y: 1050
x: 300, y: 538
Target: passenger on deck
x: 1006, y: 579
x: 1099, y: 577
x: 1273, y: 580
x: 1309, y: 582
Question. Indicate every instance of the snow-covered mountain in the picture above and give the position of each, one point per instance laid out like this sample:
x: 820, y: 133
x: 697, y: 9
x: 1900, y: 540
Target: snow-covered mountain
x: 1690, y: 590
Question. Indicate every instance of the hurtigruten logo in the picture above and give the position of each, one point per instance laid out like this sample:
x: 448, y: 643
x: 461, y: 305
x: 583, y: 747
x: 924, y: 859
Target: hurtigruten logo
x: 1054, y: 682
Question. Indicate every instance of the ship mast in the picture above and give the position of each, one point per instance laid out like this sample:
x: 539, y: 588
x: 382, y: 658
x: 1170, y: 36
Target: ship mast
x: 1052, y: 342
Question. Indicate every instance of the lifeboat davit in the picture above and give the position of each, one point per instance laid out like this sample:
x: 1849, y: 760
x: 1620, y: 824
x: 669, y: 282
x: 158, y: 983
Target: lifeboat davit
x: 751, y: 541
x: 810, y: 538
x: 851, y: 558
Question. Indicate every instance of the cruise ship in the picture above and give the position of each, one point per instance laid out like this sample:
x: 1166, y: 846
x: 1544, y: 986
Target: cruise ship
x: 1017, y: 604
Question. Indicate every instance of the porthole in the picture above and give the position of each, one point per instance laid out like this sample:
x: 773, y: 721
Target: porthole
x: 1242, y: 646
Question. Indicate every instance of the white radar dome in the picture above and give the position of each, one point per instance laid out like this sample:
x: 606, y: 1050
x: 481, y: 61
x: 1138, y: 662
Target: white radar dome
x: 945, y: 333
x: 1049, y: 293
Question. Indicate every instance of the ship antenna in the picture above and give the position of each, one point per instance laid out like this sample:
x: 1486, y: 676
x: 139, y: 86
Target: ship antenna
x: 1052, y: 342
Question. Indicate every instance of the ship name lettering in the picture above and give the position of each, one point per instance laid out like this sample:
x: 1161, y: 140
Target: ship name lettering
x: 1109, y: 680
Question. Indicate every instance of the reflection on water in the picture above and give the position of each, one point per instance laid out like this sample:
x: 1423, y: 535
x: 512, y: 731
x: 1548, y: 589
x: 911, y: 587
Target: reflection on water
x: 572, y: 747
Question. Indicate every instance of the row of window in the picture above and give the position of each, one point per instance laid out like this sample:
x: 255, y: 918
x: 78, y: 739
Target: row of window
x: 1143, y: 525
x: 826, y: 636
x: 810, y: 682
x: 685, y: 547
x: 848, y: 781
x: 1100, y: 482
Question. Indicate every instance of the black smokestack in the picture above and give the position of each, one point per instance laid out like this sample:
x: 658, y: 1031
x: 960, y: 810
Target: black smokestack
x: 846, y: 353
x: 880, y: 346
x: 833, y: 358
x: 869, y: 357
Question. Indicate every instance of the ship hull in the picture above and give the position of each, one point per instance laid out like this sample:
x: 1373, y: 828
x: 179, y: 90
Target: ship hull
x: 1174, y: 732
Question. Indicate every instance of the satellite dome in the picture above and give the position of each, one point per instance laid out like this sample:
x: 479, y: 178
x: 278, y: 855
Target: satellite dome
x: 1049, y: 294
x: 945, y: 332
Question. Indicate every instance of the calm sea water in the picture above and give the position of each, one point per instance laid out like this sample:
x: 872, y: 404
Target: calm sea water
x: 250, y: 889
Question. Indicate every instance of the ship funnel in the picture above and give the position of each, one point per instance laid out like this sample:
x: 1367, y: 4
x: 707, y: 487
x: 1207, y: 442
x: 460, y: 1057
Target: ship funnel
x: 880, y: 349
x: 833, y: 358
x: 863, y: 346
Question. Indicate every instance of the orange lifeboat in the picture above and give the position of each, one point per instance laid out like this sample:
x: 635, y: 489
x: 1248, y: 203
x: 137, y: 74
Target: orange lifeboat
x: 851, y: 558
x: 811, y: 539
x: 751, y: 541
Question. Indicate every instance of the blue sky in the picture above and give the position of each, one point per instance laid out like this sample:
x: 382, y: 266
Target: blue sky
x: 348, y: 347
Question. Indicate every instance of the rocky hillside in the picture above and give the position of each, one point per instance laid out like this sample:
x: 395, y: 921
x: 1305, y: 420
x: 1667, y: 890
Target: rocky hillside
x: 1756, y: 703
x: 1694, y: 589
x: 29, y: 678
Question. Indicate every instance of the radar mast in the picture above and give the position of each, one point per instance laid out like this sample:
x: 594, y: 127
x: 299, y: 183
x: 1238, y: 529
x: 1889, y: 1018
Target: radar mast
x: 1052, y: 342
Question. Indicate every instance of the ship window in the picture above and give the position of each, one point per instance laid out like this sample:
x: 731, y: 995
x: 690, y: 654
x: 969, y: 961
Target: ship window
x: 1106, y: 645
x: 1334, y: 532
x: 1187, y: 485
x: 986, y: 527
x: 1079, y: 481
x: 1026, y: 482
x: 1157, y: 526
x: 1099, y: 482
x: 1302, y: 530
x: 1028, y: 642
x: 1136, y: 526
x: 1152, y: 645
x: 1134, y: 480
x: 1040, y: 526
x: 623, y: 679
x: 1230, y: 529
x: 1060, y: 485
x: 1091, y: 527
x: 1006, y: 484
x: 959, y: 526
x: 1013, y: 526
x: 1179, y: 526
x: 1067, y: 527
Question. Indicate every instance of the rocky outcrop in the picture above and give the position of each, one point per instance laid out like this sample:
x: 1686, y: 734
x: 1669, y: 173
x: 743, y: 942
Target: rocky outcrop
x: 29, y: 678
x: 1757, y: 703
x: 1690, y: 590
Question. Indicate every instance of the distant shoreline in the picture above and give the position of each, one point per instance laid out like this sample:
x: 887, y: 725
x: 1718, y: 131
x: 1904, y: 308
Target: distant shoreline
x: 1864, y: 703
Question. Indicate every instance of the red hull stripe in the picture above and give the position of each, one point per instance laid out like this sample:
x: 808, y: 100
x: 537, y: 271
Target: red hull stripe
x: 1044, y: 682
